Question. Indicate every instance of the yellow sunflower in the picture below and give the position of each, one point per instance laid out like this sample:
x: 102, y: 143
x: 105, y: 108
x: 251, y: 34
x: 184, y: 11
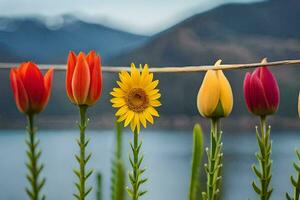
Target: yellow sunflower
x: 136, y: 97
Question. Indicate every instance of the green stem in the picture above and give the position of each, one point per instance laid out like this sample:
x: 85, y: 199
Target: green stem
x: 82, y: 159
x: 213, y: 168
x: 264, y: 174
x: 296, y: 189
x: 34, y: 169
x: 295, y: 182
x: 136, y: 175
x: 135, y: 169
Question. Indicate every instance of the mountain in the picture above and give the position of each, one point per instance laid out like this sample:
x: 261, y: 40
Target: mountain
x: 235, y: 33
x: 33, y: 39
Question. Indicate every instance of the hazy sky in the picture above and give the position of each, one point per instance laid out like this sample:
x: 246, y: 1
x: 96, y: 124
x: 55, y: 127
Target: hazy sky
x: 139, y: 16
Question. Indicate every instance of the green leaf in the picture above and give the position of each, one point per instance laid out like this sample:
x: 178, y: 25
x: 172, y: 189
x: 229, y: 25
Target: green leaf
x: 294, y: 182
x: 41, y: 185
x: 77, y: 173
x: 118, y: 178
x: 29, y: 193
x: 269, y: 193
x: 297, y: 168
x: 288, y: 196
x: 256, y: 188
x: 90, y: 172
x: 88, y: 191
x: 298, y: 154
x: 196, y: 161
x: 99, y: 186
x: 142, y: 193
x: 204, y: 196
x: 76, y: 196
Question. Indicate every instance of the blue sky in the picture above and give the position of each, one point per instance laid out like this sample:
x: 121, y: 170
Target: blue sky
x: 137, y: 16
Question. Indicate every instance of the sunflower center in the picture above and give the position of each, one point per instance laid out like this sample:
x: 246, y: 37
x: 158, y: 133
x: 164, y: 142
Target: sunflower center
x: 137, y: 100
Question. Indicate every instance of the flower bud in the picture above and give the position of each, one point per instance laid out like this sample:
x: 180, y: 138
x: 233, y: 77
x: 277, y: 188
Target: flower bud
x: 215, y: 97
x: 261, y: 92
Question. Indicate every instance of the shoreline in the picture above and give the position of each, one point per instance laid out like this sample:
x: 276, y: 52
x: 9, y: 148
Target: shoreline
x: 179, y: 122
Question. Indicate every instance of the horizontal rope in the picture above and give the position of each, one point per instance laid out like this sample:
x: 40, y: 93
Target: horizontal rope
x: 115, y: 69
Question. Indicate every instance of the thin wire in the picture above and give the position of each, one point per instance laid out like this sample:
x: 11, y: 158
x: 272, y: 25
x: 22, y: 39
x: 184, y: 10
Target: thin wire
x: 182, y: 69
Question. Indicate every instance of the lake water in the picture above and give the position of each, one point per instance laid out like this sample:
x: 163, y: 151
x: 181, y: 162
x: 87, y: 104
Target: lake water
x: 167, y: 158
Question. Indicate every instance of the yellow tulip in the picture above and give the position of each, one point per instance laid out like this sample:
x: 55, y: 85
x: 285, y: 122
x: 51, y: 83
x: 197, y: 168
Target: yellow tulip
x: 215, y: 97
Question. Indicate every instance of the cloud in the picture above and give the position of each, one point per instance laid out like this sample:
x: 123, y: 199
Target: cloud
x: 133, y: 15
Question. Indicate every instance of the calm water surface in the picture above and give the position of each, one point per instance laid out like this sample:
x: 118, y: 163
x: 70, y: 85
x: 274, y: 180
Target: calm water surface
x: 167, y: 157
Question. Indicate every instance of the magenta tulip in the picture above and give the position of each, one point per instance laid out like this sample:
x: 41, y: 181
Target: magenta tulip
x: 261, y: 92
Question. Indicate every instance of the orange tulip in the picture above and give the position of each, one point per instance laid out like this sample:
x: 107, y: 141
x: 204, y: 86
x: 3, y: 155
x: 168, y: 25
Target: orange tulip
x: 31, y: 89
x: 84, y: 78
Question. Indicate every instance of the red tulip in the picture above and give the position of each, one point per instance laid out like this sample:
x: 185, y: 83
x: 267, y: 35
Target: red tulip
x: 261, y: 92
x: 31, y: 89
x: 84, y: 78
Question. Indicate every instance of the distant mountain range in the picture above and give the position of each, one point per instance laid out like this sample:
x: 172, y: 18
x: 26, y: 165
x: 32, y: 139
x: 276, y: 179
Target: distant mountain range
x: 234, y: 32
x: 31, y: 39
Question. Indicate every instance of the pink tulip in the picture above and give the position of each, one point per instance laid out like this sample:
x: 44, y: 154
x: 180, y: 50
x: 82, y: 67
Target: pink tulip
x: 261, y: 92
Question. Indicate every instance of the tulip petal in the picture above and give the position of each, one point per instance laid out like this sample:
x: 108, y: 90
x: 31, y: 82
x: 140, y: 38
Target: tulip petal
x: 33, y: 81
x: 226, y: 96
x: 69, y: 75
x: 270, y: 87
x: 20, y: 95
x: 96, y: 82
x: 209, y: 93
x: 90, y: 58
x: 257, y: 95
x: 81, y: 80
x: 48, y: 85
x: 247, y: 89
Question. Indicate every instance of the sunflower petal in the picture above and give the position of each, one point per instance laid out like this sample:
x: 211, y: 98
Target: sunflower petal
x: 132, y: 126
x: 148, y: 117
x: 122, y: 118
x: 152, y: 85
x: 153, y: 111
x: 117, y: 100
x: 155, y: 103
x: 122, y: 85
x: 153, y: 92
x: 117, y: 94
x: 143, y: 120
x: 122, y: 111
x: 156, y: 96
x: 130, y: 115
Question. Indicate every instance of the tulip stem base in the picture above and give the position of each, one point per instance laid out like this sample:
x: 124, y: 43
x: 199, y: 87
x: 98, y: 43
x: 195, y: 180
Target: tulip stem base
x: 264, y: 172
x: 82, y: 159
x: 135, y: 176
x: 214, y: 165
x: 33, y: 166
